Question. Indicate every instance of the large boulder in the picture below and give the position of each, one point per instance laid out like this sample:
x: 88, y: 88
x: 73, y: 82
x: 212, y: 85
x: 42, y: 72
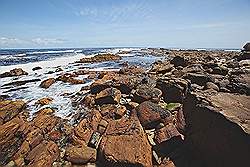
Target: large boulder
x: 147, y: 93
x: 47, y: 83
x: 160, y: 67
x: 200, y: 79
x: 14, y: 72
x: 217, y: 129
x: 12, y: 135
x: 151, y: 114
x: 179, y: 61
x: 43, y: 154
x: 108, y: 96
x: 9, y: 109
x: 80, y: 154
x: 125, y: 144
x: 69, y: 79
x: 173, y: 90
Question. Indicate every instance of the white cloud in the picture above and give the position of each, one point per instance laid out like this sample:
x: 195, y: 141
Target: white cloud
x: 47, y: 41
x: 9, y: 41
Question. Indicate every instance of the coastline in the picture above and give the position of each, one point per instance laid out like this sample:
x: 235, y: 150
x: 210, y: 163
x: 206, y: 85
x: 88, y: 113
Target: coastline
x: 134, y: 113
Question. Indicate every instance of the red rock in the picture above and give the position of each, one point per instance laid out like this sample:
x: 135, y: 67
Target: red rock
x: 55, y: 135
x: 100, y: 58
x: 108, y: 96
x: 125, y: 144
x: 151, y: 114
x: 147, y: 93
x: 10, y: 109
x: 83, y: 131
x: 14, y: 72
x: 80, y: 154
x: 45, y: 122
x: 43, y: 154
x: 70, y: 79
x: 11, y: 137
x: 44, y: 101
x: 166, y: 133
x: 132, y: 70
x: 47, y: 83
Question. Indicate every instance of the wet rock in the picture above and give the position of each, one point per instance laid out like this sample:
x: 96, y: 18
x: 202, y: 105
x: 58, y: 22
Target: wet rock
x: 125, y: 144
x: 44, y: 101
x: 173, y: 91
x: 36, y: 68
x: 221, y: 121
x: 151, y: 114
x: 47, y: 83
x: 211, y: 85
x: 20, y: 83
x: 9, y: 109
x: 43, y: 154
x: 200, y: 79
x: 69, y: 79
x: 179, y: 61
x: 108, y: 96
x: 80, y: 154
x: 147, y: 93
x: 14, y: 72
x: 100, y: 58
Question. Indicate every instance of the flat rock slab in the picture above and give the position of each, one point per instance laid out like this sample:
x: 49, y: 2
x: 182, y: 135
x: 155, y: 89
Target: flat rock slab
x: 235, y: 107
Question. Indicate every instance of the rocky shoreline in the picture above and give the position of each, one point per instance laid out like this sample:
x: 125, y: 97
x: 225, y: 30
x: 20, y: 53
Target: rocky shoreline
x: 189, y: 110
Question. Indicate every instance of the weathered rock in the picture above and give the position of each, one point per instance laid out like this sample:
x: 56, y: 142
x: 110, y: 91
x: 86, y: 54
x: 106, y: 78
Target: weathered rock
x: 166, y: 133
x: 19, y: 83
x: 111, y: 111
x: 108, y: 96
x: 200, y: 79
x: 211, y: 85
x: 221, y: 70
x: 83, y: 131
x: 247, y: 47
x: 132, y: 70
x: 43, y: 154
x: 36, y: 68
x: 100, y: 58
x: 44, y: 101
x: 173, y: 90
x: 12, y: 134
x: 167, y: 140
x: 14, y: 72
x: 47, y: 83
x: 125, y: 144
x: 161, y: 67
x: 151, y: 114
x: 70, y: 79
x: 224, y: 142
x: 80, y: 154
x: 179, y: 61
x: 10, y: 109
x: 45, y: 121
x: 147, y: 93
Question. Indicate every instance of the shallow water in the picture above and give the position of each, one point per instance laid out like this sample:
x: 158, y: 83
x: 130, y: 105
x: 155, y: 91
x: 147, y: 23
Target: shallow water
x: 62, y: 92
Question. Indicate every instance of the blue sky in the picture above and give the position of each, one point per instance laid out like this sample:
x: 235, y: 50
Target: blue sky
x: 105, y: 23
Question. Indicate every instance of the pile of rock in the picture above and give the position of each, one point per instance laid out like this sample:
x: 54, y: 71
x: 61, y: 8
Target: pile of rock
x: 100, y: 58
